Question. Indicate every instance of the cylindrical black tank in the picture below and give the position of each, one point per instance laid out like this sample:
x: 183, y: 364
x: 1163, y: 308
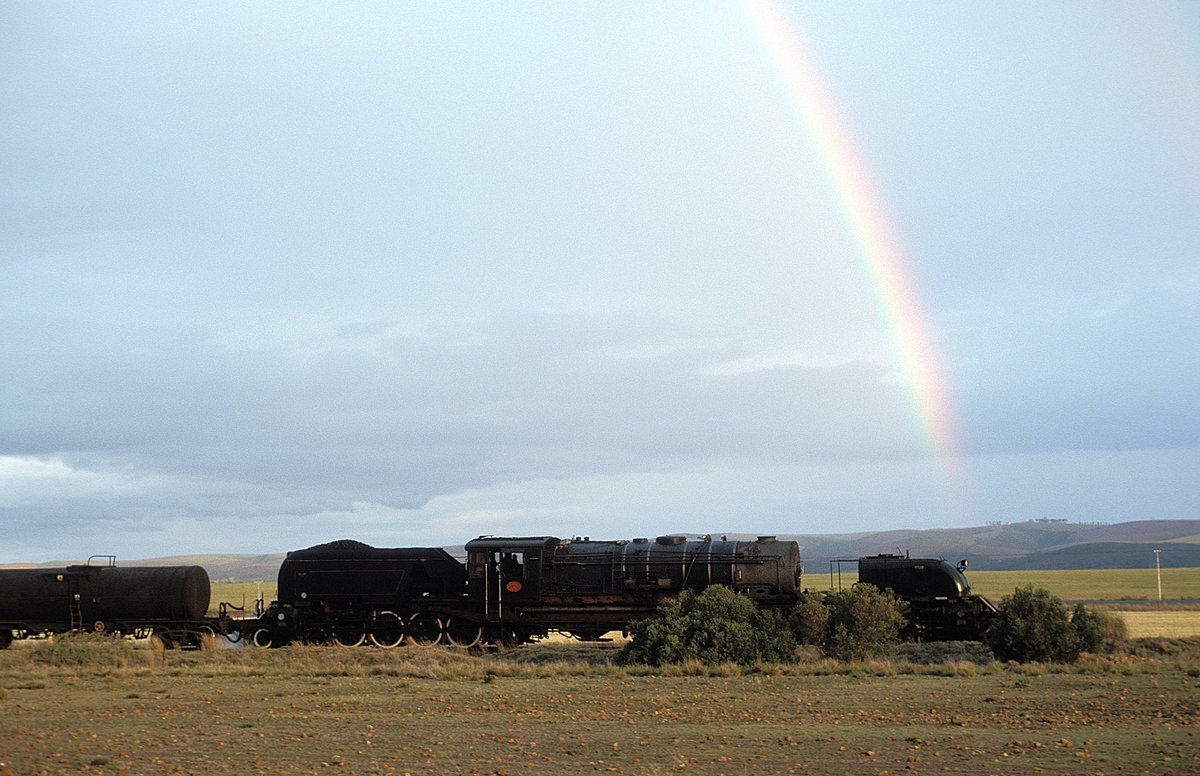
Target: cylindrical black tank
x: 762, y: 569
x: 913, y: 578
x: 106, y: 594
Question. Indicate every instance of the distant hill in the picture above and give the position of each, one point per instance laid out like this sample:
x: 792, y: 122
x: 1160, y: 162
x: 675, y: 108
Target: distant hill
x: 1036, y: 544
x: 1104, y: 555
x: 221, y: 568
x: 1029, y: 545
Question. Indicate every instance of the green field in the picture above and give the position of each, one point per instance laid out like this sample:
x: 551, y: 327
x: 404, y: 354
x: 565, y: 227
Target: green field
x: 241, y: 594
x: 125, y: 708
x: 1071, y: 585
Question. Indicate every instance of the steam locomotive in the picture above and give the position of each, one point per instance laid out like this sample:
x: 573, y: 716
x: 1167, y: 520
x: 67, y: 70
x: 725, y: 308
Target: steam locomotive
x: 509, y: 590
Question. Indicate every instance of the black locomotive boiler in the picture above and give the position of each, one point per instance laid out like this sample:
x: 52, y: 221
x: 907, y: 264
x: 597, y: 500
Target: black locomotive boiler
x: 510, y: 589
x: 168, y: 601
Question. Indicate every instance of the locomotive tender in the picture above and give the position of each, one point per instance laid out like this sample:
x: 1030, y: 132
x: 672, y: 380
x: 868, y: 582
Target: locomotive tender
x: 508, y: 590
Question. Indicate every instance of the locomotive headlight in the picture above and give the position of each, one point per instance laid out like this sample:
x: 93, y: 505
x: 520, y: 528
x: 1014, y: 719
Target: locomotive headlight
x: 282, y: 616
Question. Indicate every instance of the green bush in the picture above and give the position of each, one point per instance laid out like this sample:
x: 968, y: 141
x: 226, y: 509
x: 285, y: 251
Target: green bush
x: 1089, y: 632
x: 1033, y: 626
x: 809, y: 618
x: 717, y: 626
x: 1094, y: 628
x: 863, y: 621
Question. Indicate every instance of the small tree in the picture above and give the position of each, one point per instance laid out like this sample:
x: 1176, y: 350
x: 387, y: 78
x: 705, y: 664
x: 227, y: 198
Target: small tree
x: 1094, y: 628
x: 716, y: 626
x: 1089, y: 633
x: 863, y: 622
x: 1032, y: 625
x: 809, y: 618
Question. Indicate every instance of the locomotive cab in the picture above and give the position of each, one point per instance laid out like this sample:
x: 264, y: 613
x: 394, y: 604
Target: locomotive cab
x: 503, y: 570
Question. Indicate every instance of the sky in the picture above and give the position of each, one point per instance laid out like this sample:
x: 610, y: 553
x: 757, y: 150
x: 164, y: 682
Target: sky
x: 277, y: 274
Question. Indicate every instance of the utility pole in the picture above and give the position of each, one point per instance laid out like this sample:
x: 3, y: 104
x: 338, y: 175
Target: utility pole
x: 1158, y: 570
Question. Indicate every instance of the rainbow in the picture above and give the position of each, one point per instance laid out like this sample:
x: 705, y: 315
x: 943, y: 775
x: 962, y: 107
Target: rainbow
x: 865, y: 219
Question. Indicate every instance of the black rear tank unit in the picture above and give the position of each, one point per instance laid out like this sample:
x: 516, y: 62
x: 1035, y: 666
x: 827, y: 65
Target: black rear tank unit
x: 74, y: 596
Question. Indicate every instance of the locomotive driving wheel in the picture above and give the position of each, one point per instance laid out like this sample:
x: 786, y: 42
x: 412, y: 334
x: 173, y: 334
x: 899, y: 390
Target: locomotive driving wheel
x: 349, y: 634
x: 387, y: 630
x: 423, y: 628
x: 261, y: 637
x: 463, y: 633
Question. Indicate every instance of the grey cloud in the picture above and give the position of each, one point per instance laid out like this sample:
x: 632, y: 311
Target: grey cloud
x: 415, y: 418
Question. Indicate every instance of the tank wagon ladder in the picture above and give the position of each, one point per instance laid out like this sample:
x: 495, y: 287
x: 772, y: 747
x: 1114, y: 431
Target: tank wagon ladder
x: 76, y: 621
x: 76, y: 614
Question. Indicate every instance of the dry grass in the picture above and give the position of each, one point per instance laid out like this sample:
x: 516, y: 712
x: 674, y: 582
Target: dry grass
x: 1162, y: 624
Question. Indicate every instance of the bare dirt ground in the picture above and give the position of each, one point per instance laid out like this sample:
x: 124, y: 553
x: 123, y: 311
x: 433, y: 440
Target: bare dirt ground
x: 133, y: 710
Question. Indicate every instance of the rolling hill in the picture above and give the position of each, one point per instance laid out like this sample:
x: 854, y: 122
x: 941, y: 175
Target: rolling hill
x: 1036, y: 544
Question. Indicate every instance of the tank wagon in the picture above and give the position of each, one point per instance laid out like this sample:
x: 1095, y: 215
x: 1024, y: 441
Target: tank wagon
x: 941, y: 604
x: 168, y: 601
x: 510, y: 589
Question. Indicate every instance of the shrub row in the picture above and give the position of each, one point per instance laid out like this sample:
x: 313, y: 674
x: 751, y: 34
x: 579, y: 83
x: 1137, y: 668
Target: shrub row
x: 720, y: 626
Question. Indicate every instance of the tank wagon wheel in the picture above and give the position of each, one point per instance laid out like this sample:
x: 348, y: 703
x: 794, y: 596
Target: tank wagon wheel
x: 463, y: 633
x: 423, y: 628
x: 387, y: 630
x: 349, y: 635
x: 169, y: 639
x: 203, y: 637
x: 261, y: 637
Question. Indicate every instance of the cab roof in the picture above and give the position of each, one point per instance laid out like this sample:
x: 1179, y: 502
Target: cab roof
x: 513, y: 543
